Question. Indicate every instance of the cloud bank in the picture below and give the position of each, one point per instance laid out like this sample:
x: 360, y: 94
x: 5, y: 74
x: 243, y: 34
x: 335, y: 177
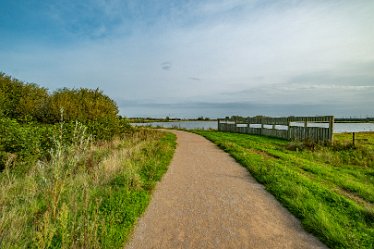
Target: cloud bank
x: 159, y: 58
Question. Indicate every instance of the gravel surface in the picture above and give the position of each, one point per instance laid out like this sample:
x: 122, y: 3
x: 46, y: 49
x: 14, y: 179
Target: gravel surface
x: 207, y: 200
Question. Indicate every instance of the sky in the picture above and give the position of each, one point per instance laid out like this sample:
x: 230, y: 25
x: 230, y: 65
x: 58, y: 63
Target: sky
x: 194, y: 58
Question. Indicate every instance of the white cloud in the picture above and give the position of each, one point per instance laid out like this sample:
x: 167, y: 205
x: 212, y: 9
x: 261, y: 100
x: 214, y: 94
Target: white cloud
x: 273, y: 49
x: 295, y: 87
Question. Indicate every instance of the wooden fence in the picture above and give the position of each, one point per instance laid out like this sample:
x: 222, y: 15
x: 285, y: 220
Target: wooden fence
x: 315, y: 129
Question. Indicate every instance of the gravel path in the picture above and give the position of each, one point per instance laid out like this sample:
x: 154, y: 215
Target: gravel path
x: 207, y: 200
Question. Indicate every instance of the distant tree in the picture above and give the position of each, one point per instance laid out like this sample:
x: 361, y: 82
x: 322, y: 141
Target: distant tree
x: 237, y: 118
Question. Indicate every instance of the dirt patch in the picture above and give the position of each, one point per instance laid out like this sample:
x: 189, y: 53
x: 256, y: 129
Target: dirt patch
x: 264, y: 154
x: 353, y: 196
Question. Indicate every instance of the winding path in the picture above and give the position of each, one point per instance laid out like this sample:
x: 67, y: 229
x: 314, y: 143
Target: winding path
x: 207, y: 200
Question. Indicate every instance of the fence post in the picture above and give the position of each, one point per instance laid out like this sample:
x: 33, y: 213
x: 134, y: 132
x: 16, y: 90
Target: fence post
x: 248, y: 124
x: 233, y: 127
x: 262, y: 124
x: 331, y: 128
x: 353, y: 139
x: 218, y: 125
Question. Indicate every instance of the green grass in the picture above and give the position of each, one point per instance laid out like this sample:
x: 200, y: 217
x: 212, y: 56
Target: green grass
x: 329, y: 188
x: 87, y: 195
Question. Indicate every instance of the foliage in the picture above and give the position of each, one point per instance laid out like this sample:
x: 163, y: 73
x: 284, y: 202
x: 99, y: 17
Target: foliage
x: 87, y: 195
x: 21, y: 143
x: 329, y: 188
x: 241, y: 118
x: 29, y: 102
x: 24, y: 144
x: 29, y: 116
x: 73, y: 174
x: 82, y: 105
x: 201, y: 118
x: 21, y: 101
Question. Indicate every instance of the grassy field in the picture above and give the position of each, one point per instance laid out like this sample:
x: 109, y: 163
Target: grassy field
x: 329, y: 188
x: 88, y: 195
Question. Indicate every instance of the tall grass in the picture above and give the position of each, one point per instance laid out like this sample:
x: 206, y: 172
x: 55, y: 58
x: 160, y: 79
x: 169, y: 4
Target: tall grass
x: 87, y: 195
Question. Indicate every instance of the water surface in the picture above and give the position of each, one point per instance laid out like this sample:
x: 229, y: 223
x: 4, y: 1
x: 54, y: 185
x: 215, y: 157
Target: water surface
x: 338, y: 127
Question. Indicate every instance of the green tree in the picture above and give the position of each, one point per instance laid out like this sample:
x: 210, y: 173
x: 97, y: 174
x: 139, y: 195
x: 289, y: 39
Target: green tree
x: 21, y: 101
x: 81, y: 104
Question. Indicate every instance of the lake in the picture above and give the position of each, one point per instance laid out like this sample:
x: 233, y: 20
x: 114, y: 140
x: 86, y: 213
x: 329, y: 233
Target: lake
x: 338, y: 127
x: 190, y: 125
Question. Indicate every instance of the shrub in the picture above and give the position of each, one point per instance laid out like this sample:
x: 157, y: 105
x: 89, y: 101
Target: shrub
x: 20, y: 140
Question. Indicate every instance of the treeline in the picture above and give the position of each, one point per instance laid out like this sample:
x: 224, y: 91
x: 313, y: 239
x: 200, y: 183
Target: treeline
x: 166, y: 119
x: 30, y: 116
x: 29, y: 102
x: 355, y: 120
x: 241, y: 118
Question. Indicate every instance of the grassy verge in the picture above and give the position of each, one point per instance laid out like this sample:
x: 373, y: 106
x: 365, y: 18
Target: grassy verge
x: 329, y: 188
x: 87, y: 195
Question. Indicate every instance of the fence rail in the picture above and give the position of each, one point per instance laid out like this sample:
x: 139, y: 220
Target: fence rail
x: 315, y: 129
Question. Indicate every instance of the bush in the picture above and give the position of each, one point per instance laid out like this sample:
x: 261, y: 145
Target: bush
x: 28, y: 142
x: 83, y: 105
x: 21, y: 141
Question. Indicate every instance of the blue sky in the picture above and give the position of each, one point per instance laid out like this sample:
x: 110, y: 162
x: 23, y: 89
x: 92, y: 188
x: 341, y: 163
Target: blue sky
x: 198, y: 58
